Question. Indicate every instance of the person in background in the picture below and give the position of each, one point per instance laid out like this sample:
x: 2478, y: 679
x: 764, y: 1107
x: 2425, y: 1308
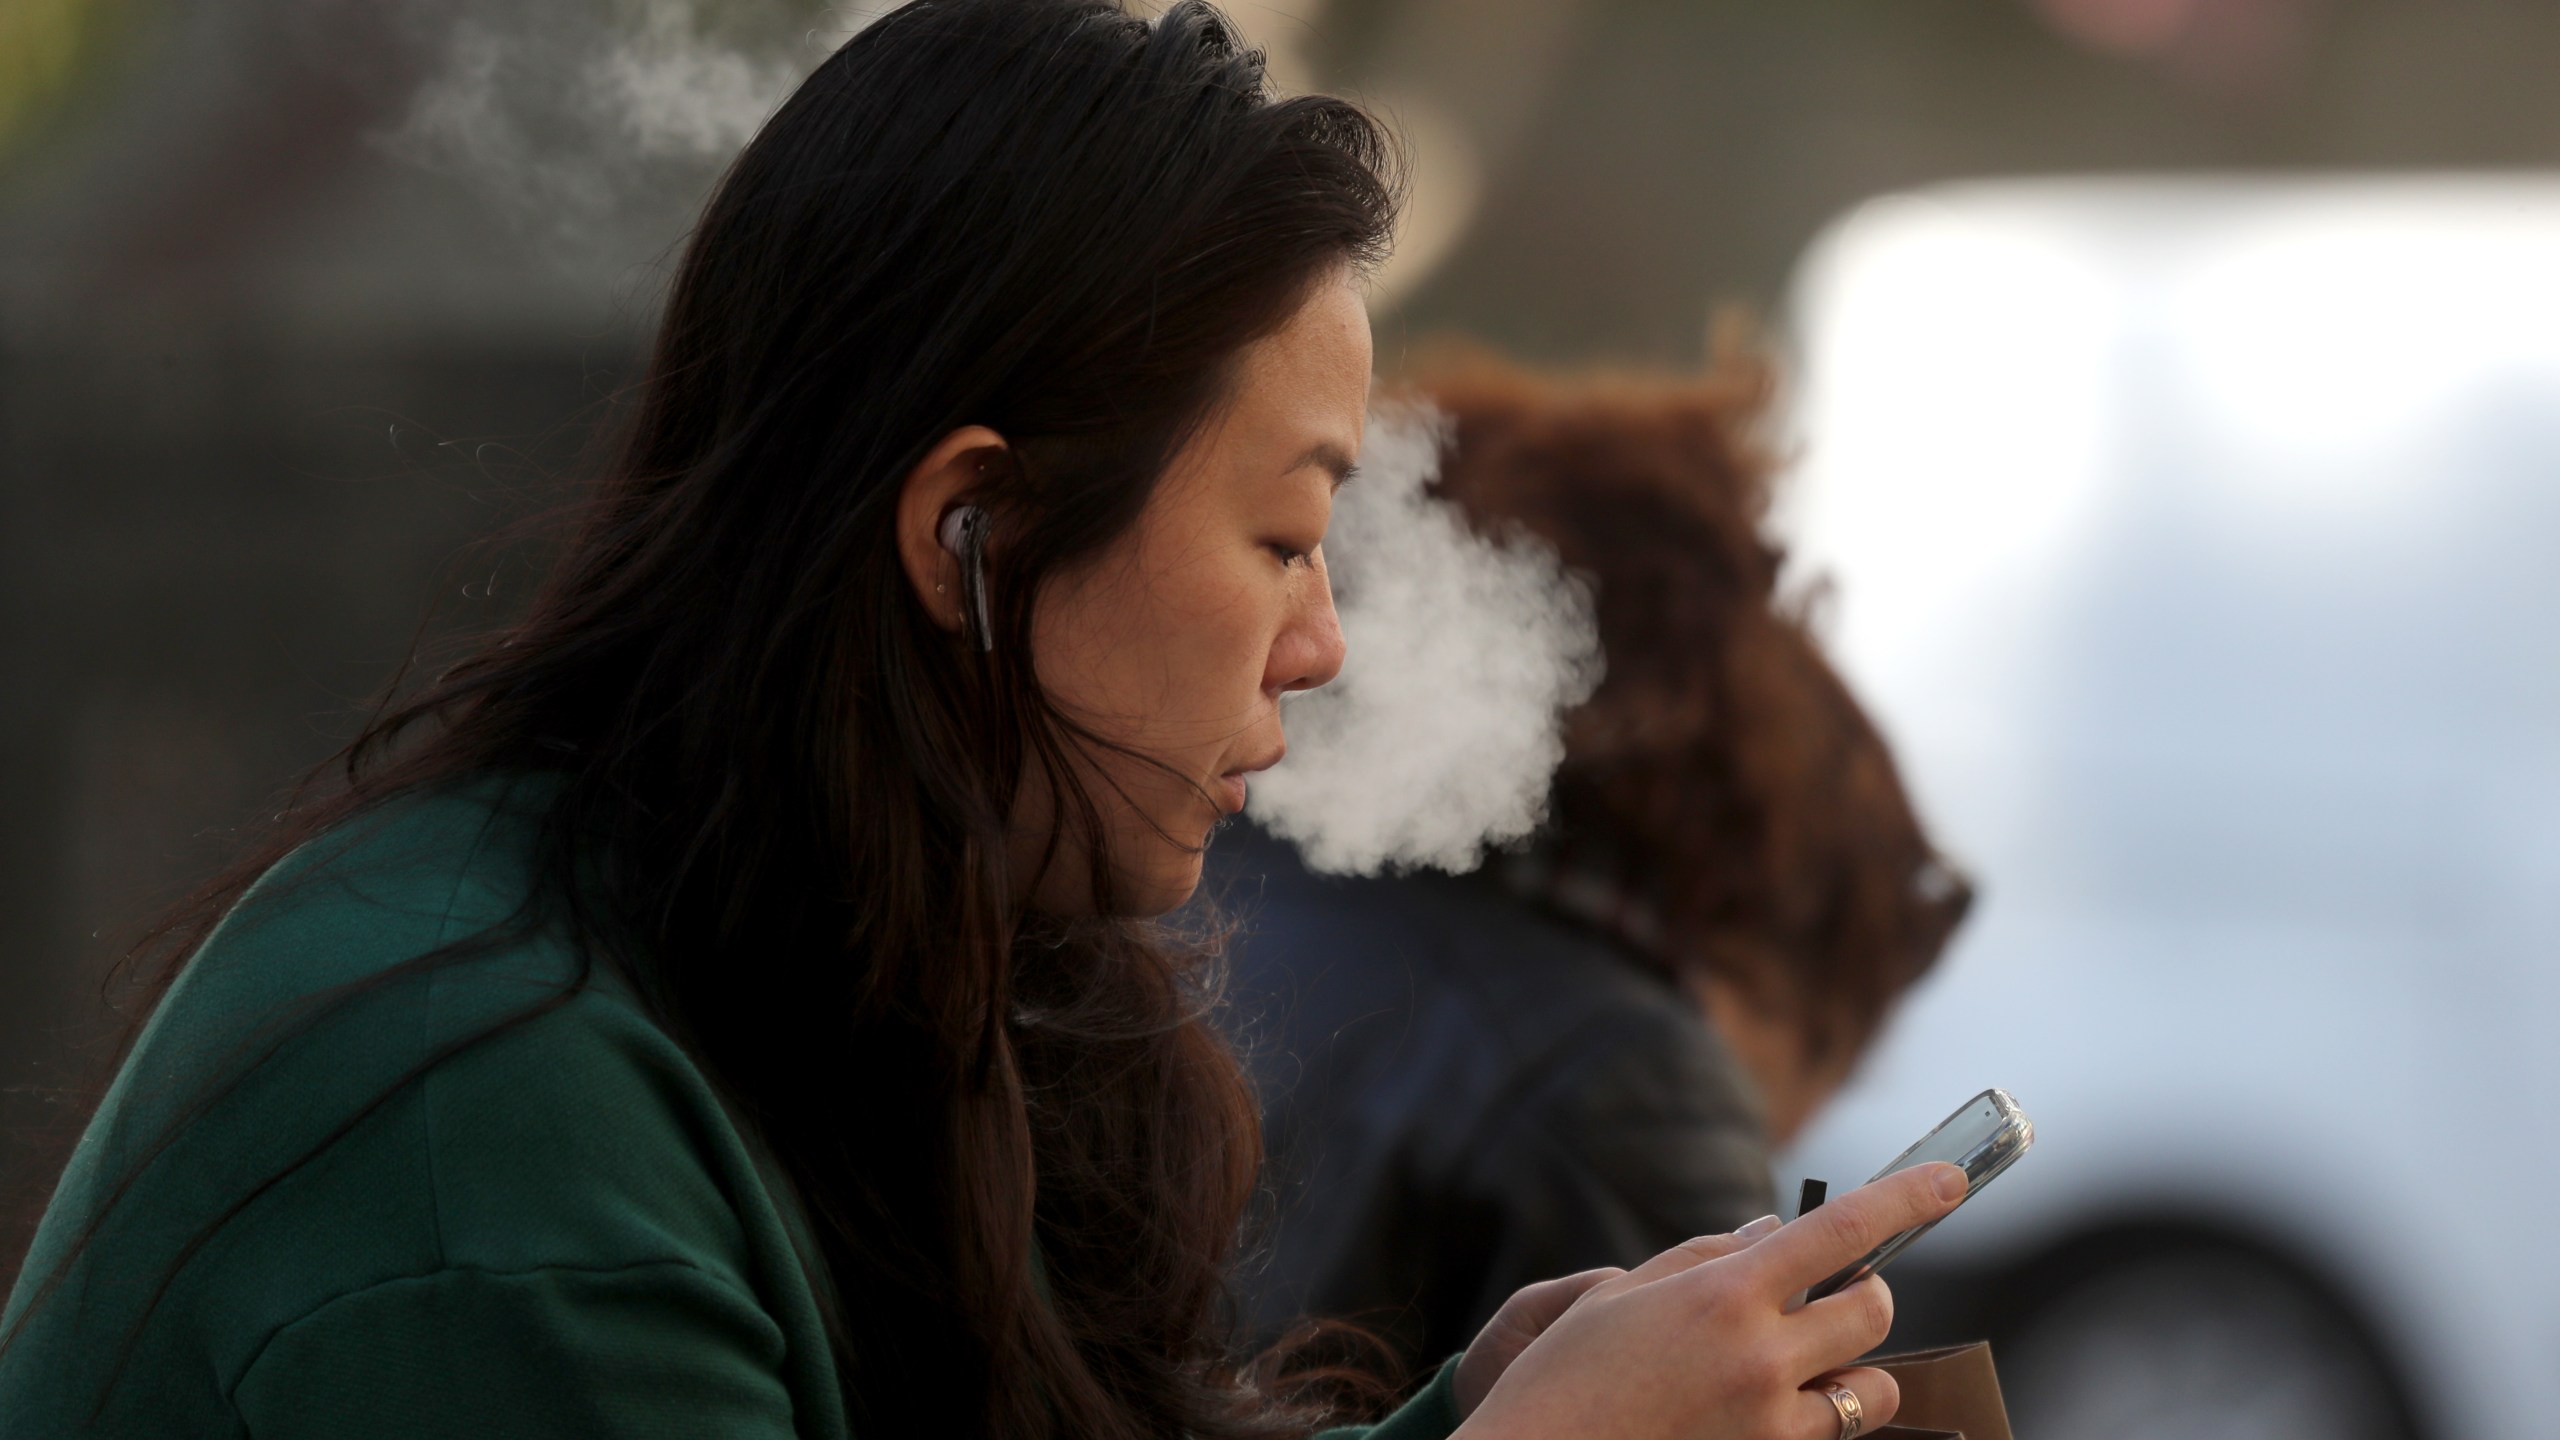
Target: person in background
x: 1580, y: 1054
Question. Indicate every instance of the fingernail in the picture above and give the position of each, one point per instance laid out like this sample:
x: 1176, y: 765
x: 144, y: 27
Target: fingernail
x: 1758, y: 1228
x: 1950, y: 1182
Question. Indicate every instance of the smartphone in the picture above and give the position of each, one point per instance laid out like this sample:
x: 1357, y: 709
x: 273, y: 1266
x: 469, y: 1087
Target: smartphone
x: 1986, y: 1135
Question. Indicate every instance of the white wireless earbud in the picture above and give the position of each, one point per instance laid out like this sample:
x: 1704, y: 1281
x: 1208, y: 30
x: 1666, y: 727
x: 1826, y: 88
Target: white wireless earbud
x: 964, y: 534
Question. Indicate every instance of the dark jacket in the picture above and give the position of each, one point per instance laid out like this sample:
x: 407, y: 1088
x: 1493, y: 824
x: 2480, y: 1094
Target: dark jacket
x: 1463, y: 1094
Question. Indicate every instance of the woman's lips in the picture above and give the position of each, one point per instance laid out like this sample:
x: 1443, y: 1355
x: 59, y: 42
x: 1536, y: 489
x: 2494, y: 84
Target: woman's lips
x: 1230, y: 790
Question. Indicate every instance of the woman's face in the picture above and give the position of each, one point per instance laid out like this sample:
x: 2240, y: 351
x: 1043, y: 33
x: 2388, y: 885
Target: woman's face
x: 1179, y: 640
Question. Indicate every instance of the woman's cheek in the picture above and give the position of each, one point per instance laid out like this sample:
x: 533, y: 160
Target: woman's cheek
x: 1223, y: 612
x: 1256, y: 614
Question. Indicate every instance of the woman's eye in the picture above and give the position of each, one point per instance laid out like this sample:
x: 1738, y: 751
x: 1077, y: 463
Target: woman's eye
x: 1289, y: 554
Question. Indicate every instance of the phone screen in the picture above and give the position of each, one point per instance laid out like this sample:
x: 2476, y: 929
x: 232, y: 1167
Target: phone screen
x: 1985, y: 1135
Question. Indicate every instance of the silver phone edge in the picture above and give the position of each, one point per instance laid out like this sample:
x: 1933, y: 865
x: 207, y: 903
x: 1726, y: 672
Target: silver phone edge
x: 2014, y: 1121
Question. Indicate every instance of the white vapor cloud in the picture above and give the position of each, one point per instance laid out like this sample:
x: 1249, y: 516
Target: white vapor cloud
x: 1439, y: 739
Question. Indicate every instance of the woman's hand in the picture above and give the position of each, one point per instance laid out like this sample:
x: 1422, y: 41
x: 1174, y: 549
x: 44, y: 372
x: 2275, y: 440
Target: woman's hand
x: 1697, y: 1343
x: 1531, y: 1309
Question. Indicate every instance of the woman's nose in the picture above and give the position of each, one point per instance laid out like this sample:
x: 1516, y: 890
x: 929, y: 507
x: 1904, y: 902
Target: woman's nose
x: 1310, y: 648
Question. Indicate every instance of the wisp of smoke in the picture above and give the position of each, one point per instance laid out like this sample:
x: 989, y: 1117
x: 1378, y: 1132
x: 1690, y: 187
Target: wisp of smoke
x: 604, y: 125
x: 672, y: 94
x: 1439, y: 738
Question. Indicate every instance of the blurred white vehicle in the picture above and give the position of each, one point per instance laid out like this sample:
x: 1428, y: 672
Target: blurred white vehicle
x: 2198, y: 545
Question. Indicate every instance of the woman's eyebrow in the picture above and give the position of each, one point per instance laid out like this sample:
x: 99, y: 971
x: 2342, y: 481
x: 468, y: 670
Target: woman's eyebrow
x: 1326, y: 455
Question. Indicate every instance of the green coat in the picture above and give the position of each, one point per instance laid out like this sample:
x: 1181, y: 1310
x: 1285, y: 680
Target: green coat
x: 558, y: 1233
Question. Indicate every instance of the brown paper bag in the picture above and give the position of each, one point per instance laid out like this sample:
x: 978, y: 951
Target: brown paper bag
x: 1950, y: 1393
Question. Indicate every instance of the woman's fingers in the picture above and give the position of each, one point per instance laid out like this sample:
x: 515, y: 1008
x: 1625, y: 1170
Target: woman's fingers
x: 1533, y: 1308
x: 1816, y: 1246
x: 1522, y: 1319
x: 1689, y: 1254
x: 1837, y: 1329
x: 1878, y: 1397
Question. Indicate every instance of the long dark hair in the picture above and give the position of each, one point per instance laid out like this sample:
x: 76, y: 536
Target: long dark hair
x: 783, y: 789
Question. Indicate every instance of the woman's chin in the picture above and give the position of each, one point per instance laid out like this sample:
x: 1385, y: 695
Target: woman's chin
x: 1166, y: 887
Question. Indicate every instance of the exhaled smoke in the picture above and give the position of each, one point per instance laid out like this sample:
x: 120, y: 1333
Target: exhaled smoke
x: 605, y: 124
x: 1439, y: 738
x: 672, y: 94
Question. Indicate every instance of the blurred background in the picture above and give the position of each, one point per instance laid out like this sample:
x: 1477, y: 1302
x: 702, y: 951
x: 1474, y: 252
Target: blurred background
x: 2181, y: 428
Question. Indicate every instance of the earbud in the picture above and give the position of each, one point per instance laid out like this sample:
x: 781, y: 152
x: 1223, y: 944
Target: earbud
x: 964, y: 533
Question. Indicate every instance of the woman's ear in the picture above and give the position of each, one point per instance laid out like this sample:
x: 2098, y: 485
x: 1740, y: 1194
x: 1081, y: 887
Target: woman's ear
x: 951, y: 474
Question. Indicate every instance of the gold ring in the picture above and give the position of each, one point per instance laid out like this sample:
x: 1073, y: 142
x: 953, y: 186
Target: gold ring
x: 1853, y: 1415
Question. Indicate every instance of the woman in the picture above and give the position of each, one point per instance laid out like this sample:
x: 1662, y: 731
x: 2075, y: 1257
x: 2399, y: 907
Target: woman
x: 1580, y: 1055
x: 723, y: 1004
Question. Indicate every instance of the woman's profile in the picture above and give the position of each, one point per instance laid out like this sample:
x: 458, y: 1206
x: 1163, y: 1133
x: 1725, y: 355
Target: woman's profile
x: 726, y: 1002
